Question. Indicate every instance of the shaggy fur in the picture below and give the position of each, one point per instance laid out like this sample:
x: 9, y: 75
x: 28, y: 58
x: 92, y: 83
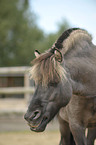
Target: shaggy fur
x: 65, y: 35
x: 45, y: 68
x: 75, y: 38
x: 77, y: 94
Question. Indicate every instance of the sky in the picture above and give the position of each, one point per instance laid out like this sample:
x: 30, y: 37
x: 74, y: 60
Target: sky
x: 78, y: 13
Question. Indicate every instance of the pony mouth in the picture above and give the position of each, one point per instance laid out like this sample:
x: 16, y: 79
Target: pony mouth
x: 34, y: 126
x: 40, y: 126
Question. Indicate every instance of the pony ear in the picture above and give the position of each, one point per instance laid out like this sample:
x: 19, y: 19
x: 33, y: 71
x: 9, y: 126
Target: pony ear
x: 37, y: 53
x: 58, y: 55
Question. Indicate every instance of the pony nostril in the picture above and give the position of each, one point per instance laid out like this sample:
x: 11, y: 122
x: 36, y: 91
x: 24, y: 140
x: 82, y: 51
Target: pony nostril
x: 35, y: 115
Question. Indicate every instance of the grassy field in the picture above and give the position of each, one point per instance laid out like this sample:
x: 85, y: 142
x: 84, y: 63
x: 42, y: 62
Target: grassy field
x: 30, y: 138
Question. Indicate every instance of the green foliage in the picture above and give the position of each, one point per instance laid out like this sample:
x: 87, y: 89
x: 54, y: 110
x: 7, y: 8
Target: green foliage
x: 20, y: 34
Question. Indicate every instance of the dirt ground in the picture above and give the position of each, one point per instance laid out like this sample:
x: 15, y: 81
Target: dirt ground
x: 30, y: 138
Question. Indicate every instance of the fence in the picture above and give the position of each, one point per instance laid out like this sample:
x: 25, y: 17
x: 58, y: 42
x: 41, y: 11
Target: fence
x: 26, y: 89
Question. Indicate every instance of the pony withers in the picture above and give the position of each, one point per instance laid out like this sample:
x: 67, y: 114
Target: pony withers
x: 67, y: 69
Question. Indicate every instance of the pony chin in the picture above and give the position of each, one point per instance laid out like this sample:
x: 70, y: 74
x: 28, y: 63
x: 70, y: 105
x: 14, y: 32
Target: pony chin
x: 40, y: 128
x: 41, y: 125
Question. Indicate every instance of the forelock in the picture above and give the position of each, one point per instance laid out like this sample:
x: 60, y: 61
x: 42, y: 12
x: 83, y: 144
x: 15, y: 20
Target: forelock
x: 47, y: 70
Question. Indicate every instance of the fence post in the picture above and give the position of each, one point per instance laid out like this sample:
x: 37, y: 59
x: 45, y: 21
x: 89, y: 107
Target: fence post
x: 26, y: 85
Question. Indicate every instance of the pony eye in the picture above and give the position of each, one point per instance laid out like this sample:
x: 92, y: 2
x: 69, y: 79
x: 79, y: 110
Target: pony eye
x: 53, y: 84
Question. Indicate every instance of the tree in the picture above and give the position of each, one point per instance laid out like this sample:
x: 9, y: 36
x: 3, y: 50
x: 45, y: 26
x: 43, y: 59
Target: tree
x: 19, y: 33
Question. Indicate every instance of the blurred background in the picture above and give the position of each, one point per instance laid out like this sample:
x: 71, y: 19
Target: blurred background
x: 26, y: 25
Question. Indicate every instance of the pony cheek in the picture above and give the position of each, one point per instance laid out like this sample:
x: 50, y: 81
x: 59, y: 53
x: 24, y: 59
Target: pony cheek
x: 51, y: 107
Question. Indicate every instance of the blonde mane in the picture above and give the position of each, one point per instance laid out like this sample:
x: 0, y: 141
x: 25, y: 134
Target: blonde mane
x: 47, y: 70
x: 75, y: 37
